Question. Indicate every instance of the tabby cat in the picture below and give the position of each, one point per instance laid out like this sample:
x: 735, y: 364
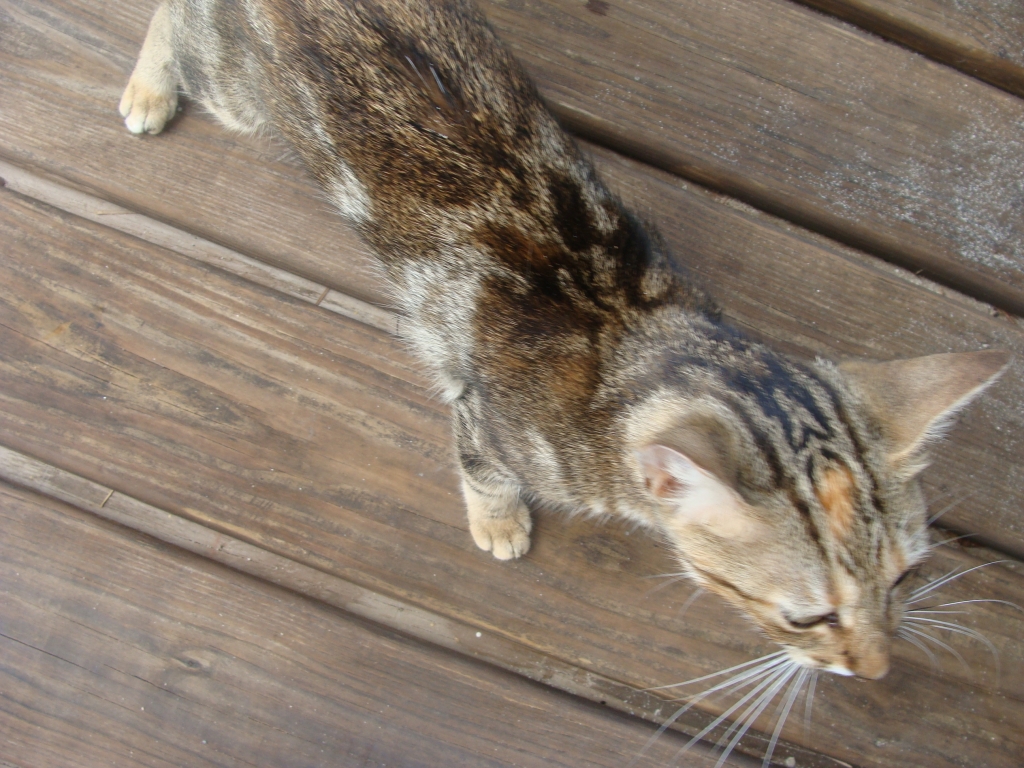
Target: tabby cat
x: 583, y: 370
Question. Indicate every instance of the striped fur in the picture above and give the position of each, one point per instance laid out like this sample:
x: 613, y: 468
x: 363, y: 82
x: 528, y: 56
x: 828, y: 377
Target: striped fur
x: 583, y: 369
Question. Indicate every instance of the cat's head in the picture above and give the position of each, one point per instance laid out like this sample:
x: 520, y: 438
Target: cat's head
x: 794, y: 495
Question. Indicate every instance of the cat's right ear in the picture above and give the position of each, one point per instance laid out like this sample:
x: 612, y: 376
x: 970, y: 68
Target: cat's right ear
x: 697, y: 497
x: 913, y: 400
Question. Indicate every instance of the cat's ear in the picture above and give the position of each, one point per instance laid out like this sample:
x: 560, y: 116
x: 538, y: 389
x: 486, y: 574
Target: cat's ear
x: 696, y: 496
x: 912, y: 400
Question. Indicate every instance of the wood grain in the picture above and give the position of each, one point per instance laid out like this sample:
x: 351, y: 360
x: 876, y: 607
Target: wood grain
x: 120, y: 650
x: 313, y: 437
x: 979, y: 37
x: 800, y: 115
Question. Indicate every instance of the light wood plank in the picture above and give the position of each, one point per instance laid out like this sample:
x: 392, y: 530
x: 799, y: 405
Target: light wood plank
x: 312, y: 437
x: 980, y: 37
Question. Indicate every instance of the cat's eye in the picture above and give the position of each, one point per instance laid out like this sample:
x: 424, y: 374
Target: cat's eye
x: 832, y: 619
x: 903, y: 577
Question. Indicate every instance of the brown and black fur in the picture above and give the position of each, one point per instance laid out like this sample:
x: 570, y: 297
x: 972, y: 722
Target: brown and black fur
x: 583, y: 370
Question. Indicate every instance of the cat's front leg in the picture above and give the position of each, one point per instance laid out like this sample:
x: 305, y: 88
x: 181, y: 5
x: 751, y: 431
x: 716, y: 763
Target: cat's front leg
x: 498, y: 519
x: 151, y: 97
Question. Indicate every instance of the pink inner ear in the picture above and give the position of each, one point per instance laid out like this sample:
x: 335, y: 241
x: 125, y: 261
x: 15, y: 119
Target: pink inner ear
x: 697, y: 497
x: 662, y: 467
x: 662, y: 484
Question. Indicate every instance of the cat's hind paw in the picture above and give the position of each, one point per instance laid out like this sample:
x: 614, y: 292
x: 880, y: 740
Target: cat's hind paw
x: 504, y: 537
x: 147, y: 110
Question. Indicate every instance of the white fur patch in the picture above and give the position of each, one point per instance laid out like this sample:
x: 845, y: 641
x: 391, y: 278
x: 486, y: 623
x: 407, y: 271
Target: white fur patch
x: 440, y: 300
x: 348, y: 194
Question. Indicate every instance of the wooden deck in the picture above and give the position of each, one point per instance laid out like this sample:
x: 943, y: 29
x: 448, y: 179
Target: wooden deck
x: 231, y: 532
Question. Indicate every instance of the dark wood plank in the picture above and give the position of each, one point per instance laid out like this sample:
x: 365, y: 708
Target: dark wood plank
x: 120, y: 650
x: 980, y: 37
x: 314, y: 438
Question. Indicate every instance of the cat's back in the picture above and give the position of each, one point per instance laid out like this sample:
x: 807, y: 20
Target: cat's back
x: 418, y: 100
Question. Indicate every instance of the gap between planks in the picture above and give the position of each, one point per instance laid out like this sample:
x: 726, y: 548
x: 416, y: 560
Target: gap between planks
x: 407, y: 618
x: 946, y: 40
x: 145, y: 228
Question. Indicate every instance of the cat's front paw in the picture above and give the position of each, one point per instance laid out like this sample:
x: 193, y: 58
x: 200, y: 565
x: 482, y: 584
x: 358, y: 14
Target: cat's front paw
x: 504, y: 537
x: 145, y: 109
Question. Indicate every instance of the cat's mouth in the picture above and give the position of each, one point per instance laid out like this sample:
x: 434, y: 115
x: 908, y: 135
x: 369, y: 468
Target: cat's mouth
x: 807, y: 661
x: 838, y: 669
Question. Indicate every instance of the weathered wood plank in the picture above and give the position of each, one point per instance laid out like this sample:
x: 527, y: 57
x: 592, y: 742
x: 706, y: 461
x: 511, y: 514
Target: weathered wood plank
x: 980, y: 37
x: 800, y: 115
x: 141, y: 226
x: 120, y: 650
x: 313, y: 438
x: 1001, y: 637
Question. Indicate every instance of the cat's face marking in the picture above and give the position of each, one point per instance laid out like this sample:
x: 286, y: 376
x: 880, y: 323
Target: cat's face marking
x: 812, y: 545
x: 835, y: 491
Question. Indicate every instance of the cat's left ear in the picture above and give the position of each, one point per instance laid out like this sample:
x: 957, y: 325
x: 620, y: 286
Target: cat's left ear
x: 696, y: 496
x: 912, y: 400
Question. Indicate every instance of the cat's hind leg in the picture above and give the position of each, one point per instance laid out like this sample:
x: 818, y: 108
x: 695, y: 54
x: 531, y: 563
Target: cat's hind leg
x: 151, y: 97
x: 498, y: 519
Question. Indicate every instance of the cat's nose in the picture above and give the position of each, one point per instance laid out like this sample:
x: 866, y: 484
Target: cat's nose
x: 871, y: 666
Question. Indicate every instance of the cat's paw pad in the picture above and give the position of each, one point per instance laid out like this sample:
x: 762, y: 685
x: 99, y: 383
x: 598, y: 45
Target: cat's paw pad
x: 504, y: 537
x: 144, y: 109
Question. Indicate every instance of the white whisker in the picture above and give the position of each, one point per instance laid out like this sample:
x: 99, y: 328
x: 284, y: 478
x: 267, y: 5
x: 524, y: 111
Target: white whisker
x: 957, y: 629
x: 932, y: 612
x: 765, y: 666
x: 982, y: 600
x: 946, y: 647
x: 809, y: 701
x: 665, y: 575
x: 949, y: 506
x: 917, y: 643
x: 689, y: 601
x: 739, y: 720
x: 750, y: 715
x: 794, y: 690
x: 740, y: 681
x: 919, y: 594
x: 771, y: 679
x: 771, y: 657
x: 944, y: 542
x: 671, y: 579
x: 954, y: 628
